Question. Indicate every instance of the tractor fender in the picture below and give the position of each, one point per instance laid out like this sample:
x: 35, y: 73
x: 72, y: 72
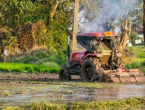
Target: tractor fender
x: 93, y: 55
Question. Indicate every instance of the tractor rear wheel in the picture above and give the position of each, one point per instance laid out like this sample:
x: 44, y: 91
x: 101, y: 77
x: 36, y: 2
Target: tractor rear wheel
x: 91, y: 71
x: 64, y: 75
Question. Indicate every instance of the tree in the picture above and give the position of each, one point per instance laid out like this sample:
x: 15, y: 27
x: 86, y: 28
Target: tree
x: 109, y: 15
x: 15, y: 14
x: 127, y: 24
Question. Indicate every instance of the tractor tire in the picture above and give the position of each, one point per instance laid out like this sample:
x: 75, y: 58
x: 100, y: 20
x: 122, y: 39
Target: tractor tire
x: 88, y: 70
x: 63, y: 76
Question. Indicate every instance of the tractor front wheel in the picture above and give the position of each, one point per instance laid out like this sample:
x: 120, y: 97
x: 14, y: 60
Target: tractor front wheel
x: 64, y: 75
x: 91, y: 71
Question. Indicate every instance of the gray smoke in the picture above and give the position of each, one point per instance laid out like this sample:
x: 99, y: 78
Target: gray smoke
x: 104, y: 15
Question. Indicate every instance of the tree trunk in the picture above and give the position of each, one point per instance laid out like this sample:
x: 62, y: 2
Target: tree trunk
x: 130, y: 27
x: 124, y: 38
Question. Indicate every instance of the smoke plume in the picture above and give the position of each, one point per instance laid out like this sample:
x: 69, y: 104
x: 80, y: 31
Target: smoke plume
x: 104, y: 15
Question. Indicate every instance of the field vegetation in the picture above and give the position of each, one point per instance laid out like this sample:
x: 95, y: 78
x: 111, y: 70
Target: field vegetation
x: 125, y: 104
x: 42, y: 57
x: 27, y: 88
x: 43, y: 62
x: 29, y: 68
x: 136, y: 58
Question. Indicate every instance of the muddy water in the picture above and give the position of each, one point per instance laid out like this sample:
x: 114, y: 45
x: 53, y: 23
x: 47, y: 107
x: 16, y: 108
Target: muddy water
x: 59, y: 94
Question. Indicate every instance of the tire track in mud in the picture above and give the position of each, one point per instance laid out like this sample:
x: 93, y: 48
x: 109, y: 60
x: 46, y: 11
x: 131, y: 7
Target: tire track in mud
x: 44, y: 77
x: 17, y: 76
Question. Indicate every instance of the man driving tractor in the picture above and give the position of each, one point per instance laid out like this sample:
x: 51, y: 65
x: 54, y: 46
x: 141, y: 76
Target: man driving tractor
x: 96, y: 45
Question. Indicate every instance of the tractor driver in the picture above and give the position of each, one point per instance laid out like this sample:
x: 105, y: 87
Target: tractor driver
x: 95, y: 45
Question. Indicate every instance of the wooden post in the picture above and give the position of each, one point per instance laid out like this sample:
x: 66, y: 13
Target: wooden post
x: 75, y: 26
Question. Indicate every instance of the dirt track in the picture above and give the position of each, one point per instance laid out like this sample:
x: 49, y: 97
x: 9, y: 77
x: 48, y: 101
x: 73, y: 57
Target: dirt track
x: 42, y: 77
x: 34, y: 77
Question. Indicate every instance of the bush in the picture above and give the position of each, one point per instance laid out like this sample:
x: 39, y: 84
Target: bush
x: 133, y: 37
x: 53, y: 59
x: 41, y: 54
x: 54, y: 70
x: 26, y: 60
x: 50, y: 64
x: 60, y: 57
x: 29, y: 60
x: 133, y: 65
x: 143, y: 66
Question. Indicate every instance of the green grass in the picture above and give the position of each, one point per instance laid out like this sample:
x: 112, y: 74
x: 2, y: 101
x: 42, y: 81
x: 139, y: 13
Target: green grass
x: 139, y: 51
x: 41, y: 61
x: 124, y: 104
x: 28, y: 68
x: 138, y: 61
x: 136, y: 65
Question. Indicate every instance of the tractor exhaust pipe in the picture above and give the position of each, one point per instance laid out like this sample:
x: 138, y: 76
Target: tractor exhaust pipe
x: 68, y: 52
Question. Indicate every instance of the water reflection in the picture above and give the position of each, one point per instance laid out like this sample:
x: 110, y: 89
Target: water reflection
x: 64, y: 94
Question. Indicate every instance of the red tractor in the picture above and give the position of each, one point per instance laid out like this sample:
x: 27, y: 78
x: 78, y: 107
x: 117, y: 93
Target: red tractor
x: 100, y: 62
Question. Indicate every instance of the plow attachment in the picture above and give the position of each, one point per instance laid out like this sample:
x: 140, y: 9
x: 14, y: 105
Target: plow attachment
x: 131, y: 75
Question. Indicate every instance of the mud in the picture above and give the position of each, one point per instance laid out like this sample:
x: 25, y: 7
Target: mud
x: 25, y: 89
x: 32, y: 77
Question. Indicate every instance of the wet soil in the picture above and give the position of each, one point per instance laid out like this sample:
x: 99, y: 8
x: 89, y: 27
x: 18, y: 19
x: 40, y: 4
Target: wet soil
x: 32, y: 77
x: 25, y: 88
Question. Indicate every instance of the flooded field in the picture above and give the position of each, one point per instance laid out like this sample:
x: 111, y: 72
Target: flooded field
x: 25, y: 92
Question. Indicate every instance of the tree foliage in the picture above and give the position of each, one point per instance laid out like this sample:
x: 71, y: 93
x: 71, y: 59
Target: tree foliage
x: 56, y: 14
x: 15, y: 14
x: 14, y: 11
